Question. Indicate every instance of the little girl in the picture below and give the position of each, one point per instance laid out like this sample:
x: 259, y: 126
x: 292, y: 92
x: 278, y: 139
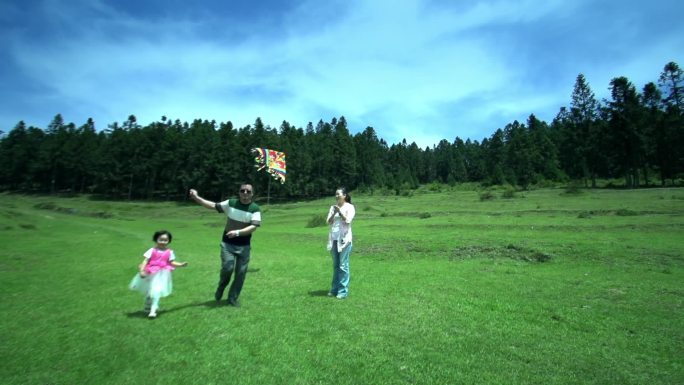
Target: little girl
x: 154, y: 279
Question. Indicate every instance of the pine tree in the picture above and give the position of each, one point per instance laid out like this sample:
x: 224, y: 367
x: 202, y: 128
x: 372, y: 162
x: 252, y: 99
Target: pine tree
x: 624, y: 110
x: 672, y: 82
x: 345, y: 155
x: 652, y: 130
x: 584, y: 136
x: 370, y: 154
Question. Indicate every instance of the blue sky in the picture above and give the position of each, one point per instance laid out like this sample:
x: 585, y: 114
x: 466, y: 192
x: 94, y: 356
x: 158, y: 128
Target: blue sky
x: 423, y: 70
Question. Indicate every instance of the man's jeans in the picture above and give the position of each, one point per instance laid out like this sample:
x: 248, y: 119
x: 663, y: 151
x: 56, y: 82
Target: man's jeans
x: 340, y: 279
x: 233, y: 258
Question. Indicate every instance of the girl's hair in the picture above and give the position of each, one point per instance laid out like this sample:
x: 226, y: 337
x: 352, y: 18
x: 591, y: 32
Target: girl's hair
x: 159, y: 233
x: 347, y: 197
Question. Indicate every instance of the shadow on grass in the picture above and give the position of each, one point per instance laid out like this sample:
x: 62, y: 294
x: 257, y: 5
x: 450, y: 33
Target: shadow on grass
x: 212, y: 304
x: 318, y: 293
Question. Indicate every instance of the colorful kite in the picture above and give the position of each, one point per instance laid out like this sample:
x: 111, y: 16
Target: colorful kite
x: 273, y: 161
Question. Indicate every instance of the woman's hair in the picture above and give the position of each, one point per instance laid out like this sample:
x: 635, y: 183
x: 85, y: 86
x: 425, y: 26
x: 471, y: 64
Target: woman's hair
x: 347, y: 197
x: 159, y: 233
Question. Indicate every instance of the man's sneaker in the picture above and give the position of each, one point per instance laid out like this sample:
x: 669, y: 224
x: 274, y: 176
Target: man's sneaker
x: 233, y: 302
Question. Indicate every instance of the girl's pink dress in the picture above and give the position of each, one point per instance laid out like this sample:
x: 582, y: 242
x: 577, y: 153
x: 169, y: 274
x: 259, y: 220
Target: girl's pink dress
x: 158, y: 281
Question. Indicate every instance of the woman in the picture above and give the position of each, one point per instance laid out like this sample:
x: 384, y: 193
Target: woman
x: 340, y: 217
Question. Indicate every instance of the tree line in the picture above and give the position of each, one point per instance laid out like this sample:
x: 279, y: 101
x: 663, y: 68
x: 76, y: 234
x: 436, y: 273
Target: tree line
x: 635, y: 136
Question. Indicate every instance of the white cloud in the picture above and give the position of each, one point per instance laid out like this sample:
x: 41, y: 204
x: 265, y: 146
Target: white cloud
x: 420, y: 70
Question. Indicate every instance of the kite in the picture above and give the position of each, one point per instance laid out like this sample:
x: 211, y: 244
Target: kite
x: 273, y: 161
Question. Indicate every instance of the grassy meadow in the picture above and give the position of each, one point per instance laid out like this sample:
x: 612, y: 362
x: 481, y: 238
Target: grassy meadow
x: 543, y: 287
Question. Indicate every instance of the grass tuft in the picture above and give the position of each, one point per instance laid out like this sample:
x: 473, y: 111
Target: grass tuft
x: 574, y: 188
x: 487, y: 196
x: 508, y: 193
x: 500, y: 252
x: 72, y: 211
x: 626, y: 213
x: 317, y: 220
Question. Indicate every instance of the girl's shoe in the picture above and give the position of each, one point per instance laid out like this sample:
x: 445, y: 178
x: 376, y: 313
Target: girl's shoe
x: 153, y: 314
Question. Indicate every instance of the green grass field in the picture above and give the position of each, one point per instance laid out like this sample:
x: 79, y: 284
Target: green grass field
x: 542, y: 288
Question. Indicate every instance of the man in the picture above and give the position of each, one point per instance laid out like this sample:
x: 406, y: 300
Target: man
x: 243, y: 218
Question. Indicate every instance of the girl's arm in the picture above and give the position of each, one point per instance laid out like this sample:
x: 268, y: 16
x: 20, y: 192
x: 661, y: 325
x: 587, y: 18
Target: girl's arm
x: 141, y: 267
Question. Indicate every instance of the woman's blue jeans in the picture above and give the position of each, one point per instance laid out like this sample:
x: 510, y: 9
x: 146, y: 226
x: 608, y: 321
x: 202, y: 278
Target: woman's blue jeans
x: 340, y: 279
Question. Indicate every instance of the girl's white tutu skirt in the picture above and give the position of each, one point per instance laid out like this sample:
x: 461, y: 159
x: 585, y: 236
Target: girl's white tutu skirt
x: 157, y: 285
